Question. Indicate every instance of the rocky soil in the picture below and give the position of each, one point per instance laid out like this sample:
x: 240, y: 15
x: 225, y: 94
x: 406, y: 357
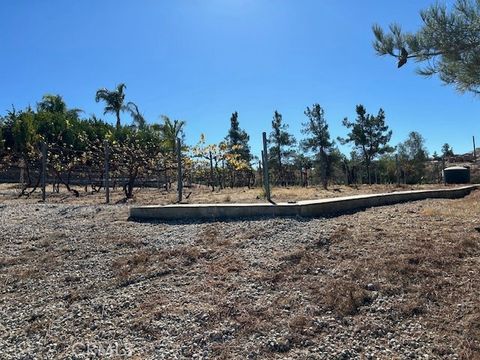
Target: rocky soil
x: 81, y: 281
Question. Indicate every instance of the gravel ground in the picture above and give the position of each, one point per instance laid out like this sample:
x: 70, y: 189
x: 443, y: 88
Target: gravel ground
x: 393, y: 282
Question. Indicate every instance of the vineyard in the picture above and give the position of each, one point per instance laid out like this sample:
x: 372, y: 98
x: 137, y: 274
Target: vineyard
x: 53, y: 150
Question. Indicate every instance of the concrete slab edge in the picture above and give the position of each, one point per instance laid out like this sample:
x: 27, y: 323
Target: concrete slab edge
x: 309, y: 208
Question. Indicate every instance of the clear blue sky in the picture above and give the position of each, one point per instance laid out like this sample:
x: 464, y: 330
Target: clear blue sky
x: 200, y: 60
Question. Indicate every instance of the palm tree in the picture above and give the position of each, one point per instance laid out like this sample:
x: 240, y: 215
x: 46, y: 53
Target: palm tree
x: 52, y: 104
x: 138, y: 118
x: 56, y: 104
x: 113, y: 100
x: 171, y: 131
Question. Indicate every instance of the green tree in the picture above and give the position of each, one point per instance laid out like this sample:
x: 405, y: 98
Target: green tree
x: 55, y: 104
x: 447, y: 150
x: 57, y: 124
x: 2, y: 137
x: 138, y: 118
x: 114, y: 101
x: 281, y: 142
x: 318, y: 139
x: 447, y: 42
x: 413, y: 155
x: 171, y: 130
x: 370, y: 136
x: 303, y: 163
x: 237, y: 139
x: 25, y: 135
x: 387, y: 168
x: 135, y: 153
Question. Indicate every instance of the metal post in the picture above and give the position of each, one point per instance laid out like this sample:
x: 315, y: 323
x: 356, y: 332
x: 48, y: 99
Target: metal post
x: 260, y: 169
x: 263, y: 173
x: 44, y: 170
x: 474, y: 151
x: 106, y: 171
x: 179, y: 170
x: 265, y: 167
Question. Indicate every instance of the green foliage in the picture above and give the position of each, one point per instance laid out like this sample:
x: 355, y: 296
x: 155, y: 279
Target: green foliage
x: 317, y: 127
x: 114, y: 101
x: 448, y: 43
x: 447, y: 150
x: 138, y: 119
x: 281, y: 141
x: 2, y: 137
x: 171, y: 130
x: 369, y: 134
x: 135, y: 152
x: 318, y: 140
x: 387, y: 168
x: 142, y: 151
x: 237, y: 140
x: 24, y: 134
x: 413, y: 155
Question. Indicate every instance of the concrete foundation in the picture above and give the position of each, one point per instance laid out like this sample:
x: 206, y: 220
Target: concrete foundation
x: 310, y: 208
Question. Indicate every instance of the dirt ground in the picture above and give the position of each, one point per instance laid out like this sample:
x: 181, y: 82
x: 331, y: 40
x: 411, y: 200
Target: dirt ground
x: 202, y: 194
x: 393, y: 282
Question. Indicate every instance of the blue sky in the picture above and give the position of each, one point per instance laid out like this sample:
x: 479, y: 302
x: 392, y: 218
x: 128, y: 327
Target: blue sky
x: 200, y: 60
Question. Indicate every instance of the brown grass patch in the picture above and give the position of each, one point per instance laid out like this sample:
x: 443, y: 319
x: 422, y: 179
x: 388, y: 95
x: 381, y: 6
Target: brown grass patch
x: 345, y: 297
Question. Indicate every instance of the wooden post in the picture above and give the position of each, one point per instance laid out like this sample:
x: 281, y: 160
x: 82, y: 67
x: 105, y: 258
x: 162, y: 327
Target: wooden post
x: 44, y: 170
x: 266, y: 178
x: 260, y: 169
x: 179, y: 170
x: 106, y: 172
x: 263, y: 173
x: 474, y: 151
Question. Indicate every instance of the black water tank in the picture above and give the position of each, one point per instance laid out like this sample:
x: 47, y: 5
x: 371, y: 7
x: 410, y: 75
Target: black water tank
x: 456, y: 175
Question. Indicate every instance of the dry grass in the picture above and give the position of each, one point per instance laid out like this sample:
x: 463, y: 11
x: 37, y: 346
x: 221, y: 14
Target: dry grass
x: 372, y: 272
x: 203, y: 194
x: 345, y: 297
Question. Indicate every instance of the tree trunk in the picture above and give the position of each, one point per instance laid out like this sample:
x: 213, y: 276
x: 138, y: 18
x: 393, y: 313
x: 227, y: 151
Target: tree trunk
x: 369, y: 177
x: 118, y: 119
x: 128, y: 187
x: 323, y: 158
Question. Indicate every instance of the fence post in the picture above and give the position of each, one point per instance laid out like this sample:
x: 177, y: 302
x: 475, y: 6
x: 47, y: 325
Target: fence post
x: 179, y: 170
x: 474, y: 151
x: 44, y: 170
x: 106, y: 171
x: 266, y: 178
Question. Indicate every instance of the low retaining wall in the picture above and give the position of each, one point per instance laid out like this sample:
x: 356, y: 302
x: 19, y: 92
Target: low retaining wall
x: 310, y: 208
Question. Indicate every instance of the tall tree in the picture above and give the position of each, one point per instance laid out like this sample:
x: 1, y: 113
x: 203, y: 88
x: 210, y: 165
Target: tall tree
x: 55, y: 104
x: 281, y: 140
x: 171, y: 130
x: 369, y: 134
x: 138, y: 118
x: 448, y: 42
x: 318, y: 140
x: 52, y: 104
x: 447, y: 150
x: 114, y: 101
x: 237, y: 139
x: 413, y: 154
